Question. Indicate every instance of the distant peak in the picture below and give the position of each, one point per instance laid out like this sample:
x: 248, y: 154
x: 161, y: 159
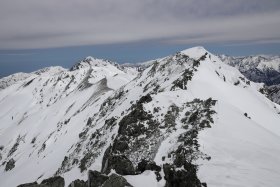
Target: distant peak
x: 89, y: 58
x: 195, y: 52
x: 91, y: 61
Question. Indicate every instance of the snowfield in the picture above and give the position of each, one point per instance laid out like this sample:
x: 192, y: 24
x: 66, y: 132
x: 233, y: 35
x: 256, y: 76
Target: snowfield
x: 66, y: 122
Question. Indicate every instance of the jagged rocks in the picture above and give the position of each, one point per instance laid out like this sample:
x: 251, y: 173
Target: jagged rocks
x: 96, y: 179
x: 56, y: 181
x: 78, y: 183
x: 15, y: 146
x: 181, y: 171
x: 145, y: 99
x: 116, y: 181
x: 181, y: 177
x: 84, y: 161
x: 128, y: 124
x: 120, y: 163
x: 187, y: 75
x: 170, y: 116
x: 135, y: 129
x: 10, y: 165
x: 183, y: 80
x: 147, y: 165
x: 271, y: 92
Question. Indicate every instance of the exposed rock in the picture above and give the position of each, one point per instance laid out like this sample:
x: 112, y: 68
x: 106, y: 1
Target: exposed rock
x: 204, y: 184
x: 130, y: 120
x: 116, y: 181
x: 50, y: 182
x: 121, y: 164
x: 33, y: 184
x: 15, y: 146
x: 136, y: 128
x: 181, y: 177
x: 56, y: 181
x: 96, y: 179
x: 106, y: 155
x: 120, y: 145
x: 78, y: 183
x: 183, y: 80
x: 10, y: 165
x: 271, y: 92
x: 28, y: 83
x: 146, y: 165
x: 256, y: 68
x: 158, y: 176
x: 145, y: 99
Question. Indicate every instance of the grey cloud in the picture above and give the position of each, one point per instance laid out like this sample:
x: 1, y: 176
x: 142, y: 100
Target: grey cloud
x: 57, y: 23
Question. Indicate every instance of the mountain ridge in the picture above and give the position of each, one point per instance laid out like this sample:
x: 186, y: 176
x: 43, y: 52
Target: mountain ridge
x: 174, y: 115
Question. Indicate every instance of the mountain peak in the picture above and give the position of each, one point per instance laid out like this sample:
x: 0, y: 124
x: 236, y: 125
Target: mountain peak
x: 195, y: 52
x: 91, y: 61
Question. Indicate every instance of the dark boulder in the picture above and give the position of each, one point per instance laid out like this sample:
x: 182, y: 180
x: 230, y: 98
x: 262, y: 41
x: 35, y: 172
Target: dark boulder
x: 78, y: 183
x: 158, y: 176
x: 145, y: 99
x: 96, y: 179
x: 10, y: 165
x: 181, y: 178
x: 116, y: 181
x: 148, y: 165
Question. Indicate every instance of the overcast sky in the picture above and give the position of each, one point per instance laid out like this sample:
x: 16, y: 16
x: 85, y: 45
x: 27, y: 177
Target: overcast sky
x: 49, y: 24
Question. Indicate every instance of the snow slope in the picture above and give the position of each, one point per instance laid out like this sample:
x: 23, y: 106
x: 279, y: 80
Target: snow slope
x: 259, y: 68
x: 66, y: 122
x: 41, y: 110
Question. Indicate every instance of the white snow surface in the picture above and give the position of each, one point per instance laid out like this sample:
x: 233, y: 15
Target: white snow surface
x: 244, y: 152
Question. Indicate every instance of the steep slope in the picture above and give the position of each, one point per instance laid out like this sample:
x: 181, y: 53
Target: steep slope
x: 42, y: 115
x: 188, y: 118
x: 261, y: 68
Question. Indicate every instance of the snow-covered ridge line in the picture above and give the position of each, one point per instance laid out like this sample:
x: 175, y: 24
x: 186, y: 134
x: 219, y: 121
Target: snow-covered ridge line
x: 259, y: 68
x: 186, y: 119
x: 87, y: 63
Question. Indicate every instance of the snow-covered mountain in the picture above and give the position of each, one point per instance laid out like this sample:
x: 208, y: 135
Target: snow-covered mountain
x: 184, y: 120
x: 260, y: 68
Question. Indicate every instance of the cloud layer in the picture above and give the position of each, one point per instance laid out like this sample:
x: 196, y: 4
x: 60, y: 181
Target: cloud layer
x: 58, y: 23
